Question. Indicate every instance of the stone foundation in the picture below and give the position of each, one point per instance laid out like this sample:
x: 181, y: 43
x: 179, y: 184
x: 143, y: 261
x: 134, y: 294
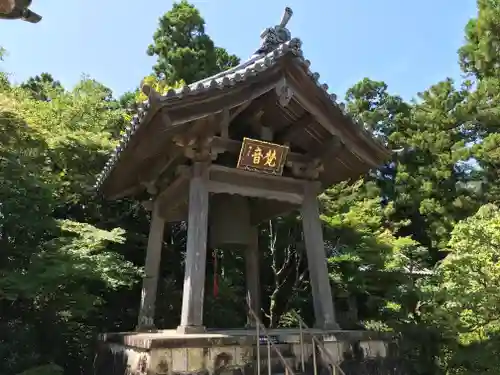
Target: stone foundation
x: 235, y: 352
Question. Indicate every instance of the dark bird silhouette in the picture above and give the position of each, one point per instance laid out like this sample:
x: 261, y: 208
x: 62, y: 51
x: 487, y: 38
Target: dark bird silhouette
x: 18, y: 10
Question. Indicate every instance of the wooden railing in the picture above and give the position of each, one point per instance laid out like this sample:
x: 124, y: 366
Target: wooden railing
x: 260, y: 329
x: 315, y: 343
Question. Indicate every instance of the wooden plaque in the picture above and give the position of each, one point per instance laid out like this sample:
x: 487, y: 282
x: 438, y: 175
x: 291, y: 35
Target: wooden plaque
x: 260, y: 156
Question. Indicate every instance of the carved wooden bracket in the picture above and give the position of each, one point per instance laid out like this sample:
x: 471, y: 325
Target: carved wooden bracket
x: 310, y: 171
x: 284, y: 92
x: 196, y: 149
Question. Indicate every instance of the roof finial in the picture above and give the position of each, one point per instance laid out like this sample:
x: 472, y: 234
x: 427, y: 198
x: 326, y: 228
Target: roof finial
x: 272, y: 37
x: 287, y: 14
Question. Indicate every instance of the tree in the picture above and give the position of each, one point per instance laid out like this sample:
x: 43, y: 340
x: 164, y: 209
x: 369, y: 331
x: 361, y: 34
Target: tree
x: 423, y: 179
x: 363, y: 251
x: 426, y: 184
x: 464, y: 300
x: 56, y: 268
x: 480, y: 54
x: 484, y: 138
x: 4, y: 81
x: 471, y: 275
x: 42, y: 86
x: 184, y: 51
x: 479, y: 58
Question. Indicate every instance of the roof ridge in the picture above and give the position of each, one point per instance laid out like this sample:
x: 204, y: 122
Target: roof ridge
x: 293, y: 44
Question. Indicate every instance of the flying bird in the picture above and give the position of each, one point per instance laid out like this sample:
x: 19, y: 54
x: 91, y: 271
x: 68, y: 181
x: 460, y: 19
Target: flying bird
x: 18, y: 10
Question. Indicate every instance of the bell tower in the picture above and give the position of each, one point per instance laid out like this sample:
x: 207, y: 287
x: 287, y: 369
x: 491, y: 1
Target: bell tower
x: 224, y: 155
x: 234, y: 150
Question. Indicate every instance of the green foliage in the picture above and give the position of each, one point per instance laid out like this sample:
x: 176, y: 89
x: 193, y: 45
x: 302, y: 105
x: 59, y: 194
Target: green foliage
x: 470, y: 277
x: 479, y: 55
x: 483, y: 133
x: 158, y: 85
x: 42, y: 87
x: 183, y: 49
x: 422, y: 180
x: 3, y: 52
x: 54, y: 268
x: 461, y: 301
x: 4, y: 81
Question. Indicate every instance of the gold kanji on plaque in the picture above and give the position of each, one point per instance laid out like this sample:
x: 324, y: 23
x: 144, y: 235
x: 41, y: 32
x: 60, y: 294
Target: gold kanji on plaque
x: 260, y: 156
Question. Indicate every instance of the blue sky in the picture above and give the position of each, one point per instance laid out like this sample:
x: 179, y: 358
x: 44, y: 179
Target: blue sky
x: 408, y: 44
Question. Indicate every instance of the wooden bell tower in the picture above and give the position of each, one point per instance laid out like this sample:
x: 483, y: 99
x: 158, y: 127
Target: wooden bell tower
x: 234, y: 150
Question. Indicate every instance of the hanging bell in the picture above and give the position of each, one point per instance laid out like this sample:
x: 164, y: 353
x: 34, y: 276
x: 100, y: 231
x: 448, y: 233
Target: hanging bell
x: 229, y: 221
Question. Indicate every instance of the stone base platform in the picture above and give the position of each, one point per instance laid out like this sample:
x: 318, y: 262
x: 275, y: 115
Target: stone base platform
x: 235, y: 352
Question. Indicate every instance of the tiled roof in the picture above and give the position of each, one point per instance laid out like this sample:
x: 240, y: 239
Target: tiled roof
x: 255, y: 65
x: 273, y: 48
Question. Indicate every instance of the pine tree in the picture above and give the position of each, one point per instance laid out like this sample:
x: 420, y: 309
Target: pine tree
x: 184, y: 51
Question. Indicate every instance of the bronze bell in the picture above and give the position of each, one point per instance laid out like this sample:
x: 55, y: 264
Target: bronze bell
x: 229, y: 221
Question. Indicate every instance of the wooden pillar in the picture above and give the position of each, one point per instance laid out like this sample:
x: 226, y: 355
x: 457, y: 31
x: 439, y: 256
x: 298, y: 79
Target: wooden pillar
x: 316, y: 258
x: 196, y: 252
x: 252, y: 274
x: 151, y: 268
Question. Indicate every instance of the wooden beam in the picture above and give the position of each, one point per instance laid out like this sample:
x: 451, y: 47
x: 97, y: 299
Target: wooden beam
x: 227, y: 174
x: 165, y: 118
x: 196, y: 252
x: 199, y: 129
x: 253, y: 115
x: 217, y: 187
x: 151, y: 268
x: 327, y: 123
x: 259, y: 103
x: 174, y: 194
x: 324, y: 311
x: 184, y: 144
x: 239, y: 110
x: 287, y: 134
x: 161, y: 123
x: 158, y: 166
x: 201, y: 105
x: 253, y: 184
x: 224, y: 123
x: 331, y: 146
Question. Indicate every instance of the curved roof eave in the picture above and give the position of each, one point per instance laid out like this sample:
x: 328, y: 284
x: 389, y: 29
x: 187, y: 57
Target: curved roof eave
x: 250, y: 68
